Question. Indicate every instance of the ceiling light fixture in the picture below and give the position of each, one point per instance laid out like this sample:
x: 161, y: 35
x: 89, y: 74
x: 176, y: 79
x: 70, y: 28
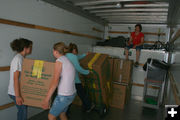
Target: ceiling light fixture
x: 118, y: 5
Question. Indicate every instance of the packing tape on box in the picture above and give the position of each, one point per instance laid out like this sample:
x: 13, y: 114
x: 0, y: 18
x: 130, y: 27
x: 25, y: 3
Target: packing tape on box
x: 91, y: 62
x: 37, y: 68
x: 121, y: 64
x: 120, y: 78
x: 94, y: 85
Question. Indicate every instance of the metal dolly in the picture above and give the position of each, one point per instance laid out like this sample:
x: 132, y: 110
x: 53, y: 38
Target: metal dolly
x: 92, y: 86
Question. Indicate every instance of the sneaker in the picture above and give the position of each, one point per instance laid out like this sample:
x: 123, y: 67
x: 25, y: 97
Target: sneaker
x: 91, y: 108
x: 136, y: 64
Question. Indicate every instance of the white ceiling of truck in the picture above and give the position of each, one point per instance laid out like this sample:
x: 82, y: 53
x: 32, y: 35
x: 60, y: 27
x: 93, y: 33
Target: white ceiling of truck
x: 126, y: 11
x: 130, y: 11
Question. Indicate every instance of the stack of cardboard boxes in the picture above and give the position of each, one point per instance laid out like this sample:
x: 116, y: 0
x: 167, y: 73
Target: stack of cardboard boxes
x: 98, y: 81
x: 114, y: 77
x: 122, y: 83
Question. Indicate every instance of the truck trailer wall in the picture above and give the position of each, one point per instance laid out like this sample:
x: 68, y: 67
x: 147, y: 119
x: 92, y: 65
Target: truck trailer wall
x: 150, y: 31
x: 174, y: 81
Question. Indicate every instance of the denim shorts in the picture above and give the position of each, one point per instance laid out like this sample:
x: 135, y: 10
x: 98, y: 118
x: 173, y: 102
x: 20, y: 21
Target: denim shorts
x: 137, y: 47
x: 61, y: 104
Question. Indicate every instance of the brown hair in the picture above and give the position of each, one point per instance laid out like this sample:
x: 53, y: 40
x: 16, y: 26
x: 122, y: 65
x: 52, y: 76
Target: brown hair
x: 60, y: 47
x: 18, y: 45
x: 140, y: 27
x: 73, y: 46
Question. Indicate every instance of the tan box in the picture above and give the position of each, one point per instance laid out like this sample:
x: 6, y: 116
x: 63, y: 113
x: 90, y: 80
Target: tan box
x: 120, y: 95
x: 122, y: 71
x: 111, y: 62
x: 36, y: 77
x: 77, y: 101
x: 122, y: 83
x: 101, y: 66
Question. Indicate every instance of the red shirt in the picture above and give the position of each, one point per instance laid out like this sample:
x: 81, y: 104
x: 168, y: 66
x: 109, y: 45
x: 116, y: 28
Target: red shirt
x: 136, y: 39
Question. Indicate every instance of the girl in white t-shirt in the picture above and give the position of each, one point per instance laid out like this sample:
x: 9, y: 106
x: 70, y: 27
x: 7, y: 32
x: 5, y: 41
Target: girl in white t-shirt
x: 64, y: 79
x: 23, y: 47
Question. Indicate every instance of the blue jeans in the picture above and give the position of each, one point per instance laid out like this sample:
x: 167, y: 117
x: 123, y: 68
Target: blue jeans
x: 22, y: 109
x: 61, y: 104
x: 81, y: 92
x: 83, y: 96
x: 137, y: 47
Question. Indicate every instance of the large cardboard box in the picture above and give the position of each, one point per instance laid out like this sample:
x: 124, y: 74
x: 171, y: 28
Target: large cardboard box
x: 122, y: 83
x: 98, y: 84
x: 36, y: 77
x: 77, y: 101
x: 122, y: 71
x: 120, y: 95
x: 111, y: 62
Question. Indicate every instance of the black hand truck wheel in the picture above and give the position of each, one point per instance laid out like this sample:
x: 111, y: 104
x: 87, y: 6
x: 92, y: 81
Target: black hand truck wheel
x: 103, y: 111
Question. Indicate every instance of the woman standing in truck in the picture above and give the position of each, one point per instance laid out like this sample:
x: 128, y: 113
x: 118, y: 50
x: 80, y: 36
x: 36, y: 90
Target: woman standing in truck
x: 64, y: 79
x: 74, y: 58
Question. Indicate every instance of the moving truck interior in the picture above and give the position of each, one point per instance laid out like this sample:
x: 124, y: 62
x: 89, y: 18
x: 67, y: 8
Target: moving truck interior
x: 143, y: 88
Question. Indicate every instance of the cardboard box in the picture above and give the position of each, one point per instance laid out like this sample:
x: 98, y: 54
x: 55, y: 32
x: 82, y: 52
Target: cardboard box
x: 36, y: 77
x: 122, y: 71
x: 111, y: 62
x: 77, y: 101
x: 122, y: 83
x: 120, y: 96
x: 99, y: 82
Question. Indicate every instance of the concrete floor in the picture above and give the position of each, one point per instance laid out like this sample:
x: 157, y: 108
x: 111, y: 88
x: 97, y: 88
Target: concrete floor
x: 132, y: 111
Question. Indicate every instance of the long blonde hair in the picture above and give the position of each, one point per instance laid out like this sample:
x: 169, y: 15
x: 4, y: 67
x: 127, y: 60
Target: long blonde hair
x: 60, y: 47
